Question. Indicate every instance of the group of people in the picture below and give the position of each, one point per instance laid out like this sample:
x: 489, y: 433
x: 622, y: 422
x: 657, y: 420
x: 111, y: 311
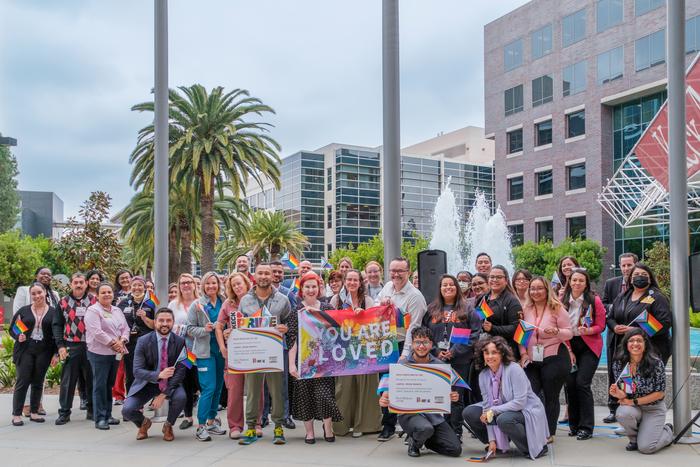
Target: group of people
x: 529, y: 338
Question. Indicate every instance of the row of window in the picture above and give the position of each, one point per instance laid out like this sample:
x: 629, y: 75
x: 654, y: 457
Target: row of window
x: 609, y: 13
x: 575, y: 125
x: 575, y: 180
x: 544, y: 230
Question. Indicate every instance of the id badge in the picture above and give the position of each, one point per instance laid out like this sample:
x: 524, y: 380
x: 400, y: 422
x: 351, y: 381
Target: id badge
x: 443, y: 345
x: 38, y: 334
x: 538, y: 353
x: 80, y: 311
x: 128, y: 310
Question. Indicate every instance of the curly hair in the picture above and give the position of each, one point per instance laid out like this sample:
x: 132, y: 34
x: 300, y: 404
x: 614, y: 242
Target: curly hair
x: 501, y: 345
x: 646, y: 365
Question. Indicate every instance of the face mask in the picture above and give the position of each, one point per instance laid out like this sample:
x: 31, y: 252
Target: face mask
x: 640, y: 282
x: 464, y: 286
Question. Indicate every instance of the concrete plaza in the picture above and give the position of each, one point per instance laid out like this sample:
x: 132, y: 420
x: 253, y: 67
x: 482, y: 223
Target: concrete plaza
x: 79, y: 443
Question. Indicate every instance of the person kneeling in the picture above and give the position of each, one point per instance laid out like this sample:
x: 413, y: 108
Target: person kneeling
x: 429, y: 429
x: 157, y: 376
x: 510, y: 410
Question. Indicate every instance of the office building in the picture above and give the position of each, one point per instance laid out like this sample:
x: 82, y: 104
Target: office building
x: 40, y: 212
x: 569, y: 87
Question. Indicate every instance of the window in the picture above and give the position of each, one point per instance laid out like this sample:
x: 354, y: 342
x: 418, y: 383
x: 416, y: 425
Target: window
x: 515, y: 141
x: 644, y: 6
x: 517, y: 236
x: 610, y: 65
x: 573, y: 28
x: 574, y: 79
x: 543, y: 133
x: 329, y: 176
x: 541, y: 41
x: 329, y: 216
x: 542, y: 90
x: 576, y: 227
x: 576, y: 176
x: 692, y: 35
x: 650, y: 50
x: 545, y: 231
x: 515, y: 188
x: 513, y: 55
x: 543, y: 181
x: 608, y: 14
x: 576, y: 124
x: 514, y: 100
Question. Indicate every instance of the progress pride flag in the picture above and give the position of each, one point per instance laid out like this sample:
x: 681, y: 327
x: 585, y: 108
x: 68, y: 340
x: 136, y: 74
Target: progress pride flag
x: 652, y: 147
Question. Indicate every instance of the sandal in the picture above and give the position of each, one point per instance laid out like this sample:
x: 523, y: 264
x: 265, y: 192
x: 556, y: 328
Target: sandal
x: 17, y: 422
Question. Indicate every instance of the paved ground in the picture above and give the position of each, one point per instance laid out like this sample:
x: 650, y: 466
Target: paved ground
x: 79, y: 443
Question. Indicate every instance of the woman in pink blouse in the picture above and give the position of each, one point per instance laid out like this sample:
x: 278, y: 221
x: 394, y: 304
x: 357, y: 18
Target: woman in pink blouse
x: 546, y: 357
x: 106, y: 333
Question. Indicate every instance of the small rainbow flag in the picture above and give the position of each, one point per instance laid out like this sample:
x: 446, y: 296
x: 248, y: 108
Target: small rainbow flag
x: 460, y: 335
x: 19, y: 327
x: 325, y: 264
x: 484, y: 310
x: 187, y: 358
x: 151, y: 300
x: 403, y: 320
x: 383, y: 384
x: 587, y: 319
x: 291, y: 260
x: 627, y: 380
x: 347, y: 303
x: 648, y: 323
x: 295, y: 286
x: 458, y: 381
x: 523, y: 333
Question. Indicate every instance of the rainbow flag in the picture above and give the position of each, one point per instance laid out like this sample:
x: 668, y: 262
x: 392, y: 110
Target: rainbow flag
x: 383, y: 384
x: 523, y: 333
x: 484, y: 310
x: 19, y: 327
x: 291, y: 260
x: 187, y: 358
x: 460, y: 335
x: 151, y: 300
x: 295, y: 286
x: 347, y: 303
x: 587, y: 319
x: 402, y: 320
x: 325, y: 264
x: 458, y: 381
x: 648, y: 323
x: 627, y: 380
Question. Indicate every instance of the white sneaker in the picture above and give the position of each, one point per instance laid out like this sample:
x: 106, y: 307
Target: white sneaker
x: 215, y: 429
x: 202, y: 434
x: 357, y: 434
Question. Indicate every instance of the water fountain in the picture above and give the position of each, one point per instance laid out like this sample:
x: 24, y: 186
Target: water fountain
x: 482, y: 233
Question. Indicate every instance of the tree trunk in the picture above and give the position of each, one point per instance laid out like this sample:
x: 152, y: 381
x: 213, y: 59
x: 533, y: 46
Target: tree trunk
x: 173, y: 257
x: 185, y: 246
x: 208, y: 235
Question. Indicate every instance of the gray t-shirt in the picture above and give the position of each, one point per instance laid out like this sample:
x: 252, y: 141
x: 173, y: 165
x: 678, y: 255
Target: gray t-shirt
x: 277, y: 304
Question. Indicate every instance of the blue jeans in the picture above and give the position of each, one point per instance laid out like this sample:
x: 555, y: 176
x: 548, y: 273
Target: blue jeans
x: 211, y: 379
x: 104, y: 373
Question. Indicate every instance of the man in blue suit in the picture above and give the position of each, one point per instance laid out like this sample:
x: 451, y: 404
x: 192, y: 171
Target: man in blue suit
x: 158, y: 375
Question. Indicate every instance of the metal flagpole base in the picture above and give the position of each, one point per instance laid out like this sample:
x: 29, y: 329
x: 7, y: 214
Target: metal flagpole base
x: 685, y: 436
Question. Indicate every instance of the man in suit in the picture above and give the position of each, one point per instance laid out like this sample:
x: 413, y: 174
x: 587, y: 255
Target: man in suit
x: 157, y: 375
x: 614, y: 287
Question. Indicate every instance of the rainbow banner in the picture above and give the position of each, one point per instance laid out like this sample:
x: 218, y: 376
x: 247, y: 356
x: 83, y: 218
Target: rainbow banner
x: 524, y: 332
x: 648, y: 323
x: 290, y: 260
x: 187, y: 358
x: 460, y: 335
x: 342, y: 342
x: 19, y: 327
x: 484, y: 310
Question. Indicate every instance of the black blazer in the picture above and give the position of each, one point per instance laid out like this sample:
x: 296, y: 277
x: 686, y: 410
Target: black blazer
x: 507, y: 312
x: 25, y: 313
x: 613, y: 288
x: 146, y: 364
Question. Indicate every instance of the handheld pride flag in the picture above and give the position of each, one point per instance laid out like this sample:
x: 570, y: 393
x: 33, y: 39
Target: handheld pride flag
x: 151, y: 300
x: 460, y: 335
x: 627, y: 380
x: 19, y: 327
x: 291, y: 260
x: 458, y: 381
x: 295, y: 286
x: 587, y: 319
x: 383, y: 384
x: 523, y: 333
x: 187, y: 358
x: 484, y: 310
x: 402, y: 320
x: 648, y: 323
x: 325, y: 264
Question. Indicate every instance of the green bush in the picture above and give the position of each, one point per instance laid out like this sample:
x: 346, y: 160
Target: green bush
x: 542, y: 258
x: 373, y: 250
x: 8, y: 372
x: 53, y: 375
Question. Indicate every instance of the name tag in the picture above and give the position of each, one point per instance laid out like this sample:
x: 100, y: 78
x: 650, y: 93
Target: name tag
x: 648, y: 300
x: 202, y: 369
x: 128, y: 310
x: 538, y: 353
x: 80, y: 311
x: 38, y: 334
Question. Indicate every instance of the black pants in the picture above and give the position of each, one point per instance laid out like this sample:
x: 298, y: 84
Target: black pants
x: 390, y: 419
x: 454, y: 418
x: 610, y: 354
x: 104, y: 373
x: 191, y: 386
x: 439, y: 438
x: 512, y: 424
x: 133, y: 405
x: 31, y: 370
x: 547, y: 378
x: 578, y: 387
x: 473, y: 381
x: 75, y: 368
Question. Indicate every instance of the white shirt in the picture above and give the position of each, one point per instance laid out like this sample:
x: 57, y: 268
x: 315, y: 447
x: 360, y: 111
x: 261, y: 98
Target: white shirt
x: 180, y: 313
x: 410, y: 300
x: 575, y: 313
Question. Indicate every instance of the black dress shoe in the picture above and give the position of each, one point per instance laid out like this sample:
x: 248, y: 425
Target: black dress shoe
x: 329, y: 439
x: 289, y: 423
x: 37, y: 419
x: 185, y: 424
x: 387, y: 433
x: 610, y: 418
x: 310, y: 440
x: 413, y: 449
x: 102, y: 425
x: 583, y: 435
x: 113, y: 421
x: 573, y: 432
x: 631, y: 446
x: 62, y: 419
x: 83, y: 404
x: 543, y: 452
x: 89, y: 416
x: 17, y: 422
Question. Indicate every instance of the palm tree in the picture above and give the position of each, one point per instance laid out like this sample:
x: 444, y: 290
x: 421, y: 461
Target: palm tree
x: 211, y: 146
x: 270, y: 234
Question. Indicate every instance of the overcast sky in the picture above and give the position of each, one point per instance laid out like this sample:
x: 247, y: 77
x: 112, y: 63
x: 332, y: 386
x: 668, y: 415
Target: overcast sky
x: 70, y: 71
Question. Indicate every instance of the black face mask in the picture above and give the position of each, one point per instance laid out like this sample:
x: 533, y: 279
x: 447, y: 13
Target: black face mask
x: 640, y: 282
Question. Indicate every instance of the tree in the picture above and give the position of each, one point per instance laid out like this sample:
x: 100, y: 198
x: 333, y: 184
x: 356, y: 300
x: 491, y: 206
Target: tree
x: 542, y: 258
x: 19, y: 258
x: 86, y: 244
x: 658, y: 258
x: 211, y: 144
x: 373, y: 250
x: 270, y: 234
x: 9, y: 198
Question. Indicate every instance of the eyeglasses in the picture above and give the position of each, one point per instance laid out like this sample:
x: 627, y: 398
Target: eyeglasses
x: 636, y: 341
x: 496, y: 278
x: 398, y: 271
x: 422, y: 343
